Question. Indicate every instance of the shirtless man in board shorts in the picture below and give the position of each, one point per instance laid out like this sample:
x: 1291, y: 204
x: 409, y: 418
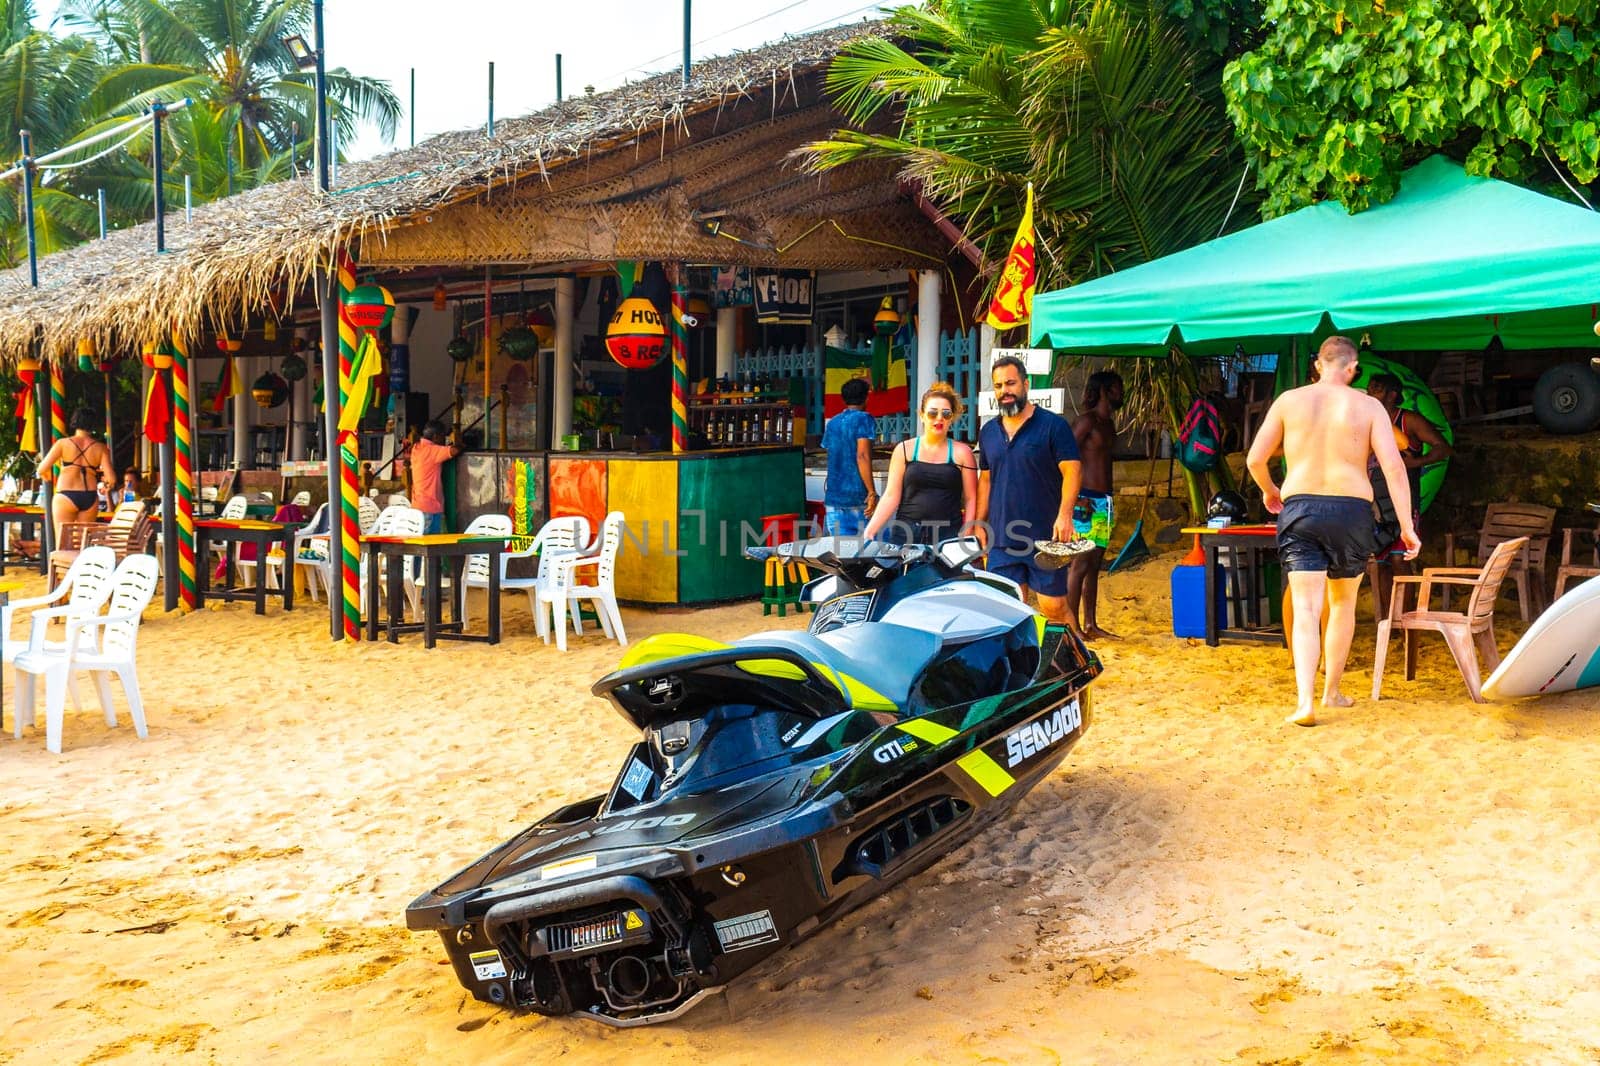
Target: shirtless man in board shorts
x: 1326, y: 530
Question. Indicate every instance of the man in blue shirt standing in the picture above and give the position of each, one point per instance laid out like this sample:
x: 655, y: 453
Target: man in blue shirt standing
x: 850, y: 495
x: 1028, y: 480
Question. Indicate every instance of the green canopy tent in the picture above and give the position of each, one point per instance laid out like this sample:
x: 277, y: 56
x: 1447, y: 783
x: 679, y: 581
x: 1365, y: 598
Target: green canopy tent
x: 1451, y: 262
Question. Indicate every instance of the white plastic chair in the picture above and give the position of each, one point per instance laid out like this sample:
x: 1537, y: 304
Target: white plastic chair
x: 132, y: 587
x: 559, y: 536
x: 82, y: 591
x: 397, y: 522
x: 563, y: 592
x: 320, y: 540
x: 475, y: 571
x: 309, y: 546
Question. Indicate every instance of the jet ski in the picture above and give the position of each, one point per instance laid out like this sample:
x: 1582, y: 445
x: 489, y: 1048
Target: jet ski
x: 778, y: 782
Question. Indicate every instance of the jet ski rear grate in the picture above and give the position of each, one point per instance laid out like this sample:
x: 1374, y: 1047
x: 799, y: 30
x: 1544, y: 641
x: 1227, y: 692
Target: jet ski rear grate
x: 595, y: 934
x: 883, y: 847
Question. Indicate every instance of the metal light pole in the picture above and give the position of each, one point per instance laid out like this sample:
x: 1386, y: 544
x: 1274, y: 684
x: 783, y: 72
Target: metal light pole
x: 47, y: 531
x: 330, y: 332
x: 157, y: 111
x: 686, y: 43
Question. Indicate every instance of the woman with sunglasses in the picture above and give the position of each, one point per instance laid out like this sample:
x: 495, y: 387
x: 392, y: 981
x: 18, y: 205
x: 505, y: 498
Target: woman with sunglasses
x: 932, y: 490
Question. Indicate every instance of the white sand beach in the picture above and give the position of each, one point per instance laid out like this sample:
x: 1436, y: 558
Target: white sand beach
x: 1412, y: 881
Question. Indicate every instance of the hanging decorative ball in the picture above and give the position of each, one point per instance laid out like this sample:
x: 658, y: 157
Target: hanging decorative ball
x: 636, y: 337
x: 519, y: 343
x: 543, y: 325
x: 292, y: 367
x: 459, y: 349
x: 86, y: 354
x: 369, y: 307
x: 270, y: 390
x: 1597, y: 329
x: 887, y: 320
x: 441, y: 298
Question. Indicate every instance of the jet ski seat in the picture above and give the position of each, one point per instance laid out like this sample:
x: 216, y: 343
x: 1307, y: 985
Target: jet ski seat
x: 876, y: 662
x: 873, y: 664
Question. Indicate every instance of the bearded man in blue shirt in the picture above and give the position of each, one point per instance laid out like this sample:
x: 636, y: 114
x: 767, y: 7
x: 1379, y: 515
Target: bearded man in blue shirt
x: 1028, y: 480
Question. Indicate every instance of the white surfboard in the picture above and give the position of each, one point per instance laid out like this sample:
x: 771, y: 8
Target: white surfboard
x: 1559, y: 652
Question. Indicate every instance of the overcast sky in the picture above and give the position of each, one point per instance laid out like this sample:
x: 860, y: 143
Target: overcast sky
x: 602, y: 42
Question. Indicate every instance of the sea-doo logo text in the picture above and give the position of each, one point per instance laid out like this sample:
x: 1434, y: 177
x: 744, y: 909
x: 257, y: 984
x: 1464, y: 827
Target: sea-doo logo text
x: 1027, y: 741
x: 604, y: 829
x: 893, y: 750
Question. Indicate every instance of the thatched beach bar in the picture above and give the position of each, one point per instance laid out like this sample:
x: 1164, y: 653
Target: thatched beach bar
x: 618, y: 303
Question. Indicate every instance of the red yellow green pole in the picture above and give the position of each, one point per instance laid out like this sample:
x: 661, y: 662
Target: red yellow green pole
x: 349, y: 463
x: 680, y: 363
x: 183, y: 438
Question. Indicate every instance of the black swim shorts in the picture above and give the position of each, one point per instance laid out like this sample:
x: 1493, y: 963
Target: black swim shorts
x: 1333, y: 534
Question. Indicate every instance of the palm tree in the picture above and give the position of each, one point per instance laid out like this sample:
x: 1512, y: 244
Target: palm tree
x: 228, y: 56
x: 1113, y: 117
x: 1108, y: 110
x: 44, y: 82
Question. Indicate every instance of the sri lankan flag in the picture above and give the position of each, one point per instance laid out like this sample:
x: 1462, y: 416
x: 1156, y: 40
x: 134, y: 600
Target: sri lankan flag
x: 1013, y: 296
x: 363, y: 384
x: 890, y: 397
x: 228, y: 384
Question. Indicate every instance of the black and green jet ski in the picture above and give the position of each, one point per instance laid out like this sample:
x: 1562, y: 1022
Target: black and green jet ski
x: 778, y: 782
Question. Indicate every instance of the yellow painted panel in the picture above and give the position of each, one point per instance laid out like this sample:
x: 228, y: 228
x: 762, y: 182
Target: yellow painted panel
x: 647, y: 494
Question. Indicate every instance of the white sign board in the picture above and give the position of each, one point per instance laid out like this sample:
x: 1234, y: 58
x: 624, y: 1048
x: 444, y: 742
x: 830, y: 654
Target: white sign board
x: 1054, y: 400
x: 1039, y: 361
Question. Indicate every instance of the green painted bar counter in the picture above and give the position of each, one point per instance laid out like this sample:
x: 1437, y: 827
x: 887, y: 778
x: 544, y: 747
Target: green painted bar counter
x: 688, y: 516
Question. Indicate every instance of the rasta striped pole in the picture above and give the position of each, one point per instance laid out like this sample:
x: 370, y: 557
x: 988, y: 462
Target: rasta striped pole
x: 349, y: 458
x: 183, y: 437
x: 58, y: 405
x: 680, y: 363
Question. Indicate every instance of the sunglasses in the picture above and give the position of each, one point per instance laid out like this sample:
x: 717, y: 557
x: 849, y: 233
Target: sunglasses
x: 939, y: 413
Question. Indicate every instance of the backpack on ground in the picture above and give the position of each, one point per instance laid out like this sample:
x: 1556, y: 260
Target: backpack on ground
x: 1200, y: 437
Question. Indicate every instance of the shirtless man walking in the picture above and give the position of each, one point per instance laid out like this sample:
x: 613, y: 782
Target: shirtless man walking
x: 1326, y: 530
x: 1092, y: 515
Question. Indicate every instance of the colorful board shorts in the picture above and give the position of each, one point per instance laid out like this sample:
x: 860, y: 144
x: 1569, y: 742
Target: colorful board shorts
x: 1093, y: 517
x: 1331, y: 534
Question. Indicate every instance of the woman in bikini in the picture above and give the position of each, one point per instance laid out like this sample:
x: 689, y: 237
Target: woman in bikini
x: 932, y: 491
x: 84, y: 461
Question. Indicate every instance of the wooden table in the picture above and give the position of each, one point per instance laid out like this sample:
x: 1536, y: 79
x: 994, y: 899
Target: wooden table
x: 233, y: 532
x: 1250, y: 544
x: 29, y: 518
x: 434, y: 550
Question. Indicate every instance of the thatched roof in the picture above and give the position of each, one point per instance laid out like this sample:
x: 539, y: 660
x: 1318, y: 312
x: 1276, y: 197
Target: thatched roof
x: 222, y: 265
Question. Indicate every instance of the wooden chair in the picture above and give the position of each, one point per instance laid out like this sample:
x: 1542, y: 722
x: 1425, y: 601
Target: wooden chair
x: 1458, y: 377
x: 1257, y: 397
x: 1461, y: 630
x: 1505, y: 521
x: 1577, y: 570
x: 127, y: 533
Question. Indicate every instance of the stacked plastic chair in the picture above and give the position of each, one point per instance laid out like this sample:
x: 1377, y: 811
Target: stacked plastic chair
x: 781, y: 585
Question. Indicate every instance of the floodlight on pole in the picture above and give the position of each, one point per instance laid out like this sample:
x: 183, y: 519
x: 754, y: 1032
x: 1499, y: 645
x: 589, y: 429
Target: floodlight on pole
x: 305, y: 57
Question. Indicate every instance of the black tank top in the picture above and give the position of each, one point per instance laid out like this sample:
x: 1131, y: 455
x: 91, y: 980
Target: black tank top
x: 931, y: 492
